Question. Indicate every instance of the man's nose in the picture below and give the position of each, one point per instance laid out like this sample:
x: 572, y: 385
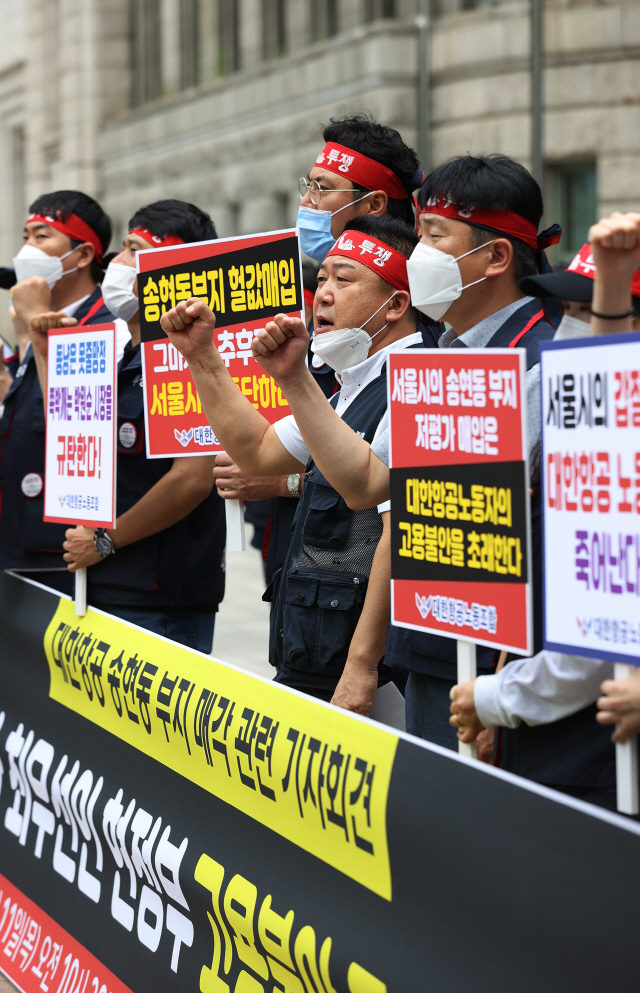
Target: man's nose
x: 306, y: 201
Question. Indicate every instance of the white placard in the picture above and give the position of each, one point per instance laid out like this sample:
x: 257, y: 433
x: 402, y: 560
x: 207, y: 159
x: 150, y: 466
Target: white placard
x: 80, y: 462
x: 591, y: 496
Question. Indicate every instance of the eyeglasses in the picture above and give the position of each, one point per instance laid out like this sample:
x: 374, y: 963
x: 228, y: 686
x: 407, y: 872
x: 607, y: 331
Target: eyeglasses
x: 315, y: 191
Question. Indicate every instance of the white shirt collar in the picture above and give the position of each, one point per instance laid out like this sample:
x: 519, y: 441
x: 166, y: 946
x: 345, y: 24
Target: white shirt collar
x: 481, y: 333
x: 71, y: 308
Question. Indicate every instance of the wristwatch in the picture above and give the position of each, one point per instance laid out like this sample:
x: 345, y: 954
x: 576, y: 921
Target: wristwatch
x: 104, y: 544
x: 293, y: 484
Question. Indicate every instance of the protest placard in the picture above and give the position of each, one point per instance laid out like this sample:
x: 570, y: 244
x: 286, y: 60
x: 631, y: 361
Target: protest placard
x: 80, y: 460
x: 461, y: 558
x: 245, y: 281
x: 591, y: 488
x: 591, y: 500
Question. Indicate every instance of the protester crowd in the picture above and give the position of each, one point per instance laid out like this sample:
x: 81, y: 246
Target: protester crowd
x: 465, y: 267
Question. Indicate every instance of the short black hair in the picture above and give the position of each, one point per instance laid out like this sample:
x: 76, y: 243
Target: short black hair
x: 490, y: 182
x: 177, y: 217
x: 383, y: 144
x: 395, y: 233
x: 63, y: 203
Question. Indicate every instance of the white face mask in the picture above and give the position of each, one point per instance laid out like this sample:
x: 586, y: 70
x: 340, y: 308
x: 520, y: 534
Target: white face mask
x: 32, y: 261
x: 435, y: 280
x: 117, y: 290
x: 572, y: 327
x: 346, y: 347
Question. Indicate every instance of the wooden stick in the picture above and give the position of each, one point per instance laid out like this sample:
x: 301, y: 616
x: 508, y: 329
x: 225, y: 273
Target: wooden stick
x: 81, y: 592
x: 235, y: 525
x: 626, y: 759
x: 466, y: 672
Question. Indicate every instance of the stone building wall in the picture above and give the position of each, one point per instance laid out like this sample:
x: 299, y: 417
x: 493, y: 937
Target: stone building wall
x: 235, y: 144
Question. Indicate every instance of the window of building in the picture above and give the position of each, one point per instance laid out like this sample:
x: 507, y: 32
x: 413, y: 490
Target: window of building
x: 228, y: 37
x: 375, y: 9
x: 189, y: 43
x: 323, y: 19
x: 575, y: 204
x: 475, y: 4
x: 274, y: 28
x: 145, y: 55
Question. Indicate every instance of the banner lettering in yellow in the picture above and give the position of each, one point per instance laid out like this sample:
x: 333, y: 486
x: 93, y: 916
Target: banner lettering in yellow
x: 315, y: 776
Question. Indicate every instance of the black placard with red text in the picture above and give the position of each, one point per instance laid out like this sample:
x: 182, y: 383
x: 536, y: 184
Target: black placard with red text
x: 245, y: 281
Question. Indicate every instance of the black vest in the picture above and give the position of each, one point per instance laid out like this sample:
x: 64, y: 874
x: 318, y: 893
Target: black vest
x: 428, y: 653
x: 26, y: 542
x: 315, y: 611
x: 180, y: 567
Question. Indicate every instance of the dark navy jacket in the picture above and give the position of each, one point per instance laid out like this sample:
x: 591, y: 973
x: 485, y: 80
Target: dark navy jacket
x: 26, y: 542
x: 180, y: 567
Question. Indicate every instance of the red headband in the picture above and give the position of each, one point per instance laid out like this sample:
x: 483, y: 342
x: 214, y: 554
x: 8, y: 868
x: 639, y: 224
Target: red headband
x: 360, y: 169
x: 584, y: 265
x: 377, y: 256
x: 74, y: 227
x: 502, y: 221
x: 169, y: 239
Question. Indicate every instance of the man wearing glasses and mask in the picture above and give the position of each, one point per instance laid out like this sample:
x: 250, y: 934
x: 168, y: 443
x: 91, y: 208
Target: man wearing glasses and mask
x: 363, y: 168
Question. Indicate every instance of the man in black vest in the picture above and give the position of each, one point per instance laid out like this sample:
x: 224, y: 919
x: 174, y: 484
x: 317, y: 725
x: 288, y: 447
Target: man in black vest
x: 483, y: 214
x: 331, y: 599
x: 162, y: 567
x: 58, y: 271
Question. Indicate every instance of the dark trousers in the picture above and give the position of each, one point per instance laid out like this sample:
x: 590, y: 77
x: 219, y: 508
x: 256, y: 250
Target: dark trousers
x: 427, y: 705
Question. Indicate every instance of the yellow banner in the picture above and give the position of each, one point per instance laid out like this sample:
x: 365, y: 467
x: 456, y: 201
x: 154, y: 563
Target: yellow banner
x: 314, y: 775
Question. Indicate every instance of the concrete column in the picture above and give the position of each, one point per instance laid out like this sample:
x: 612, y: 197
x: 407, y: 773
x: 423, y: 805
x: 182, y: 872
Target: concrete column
x: 170, y: 45
x: 208, y: 38
x: 349, y: 14
x: 250, y: 21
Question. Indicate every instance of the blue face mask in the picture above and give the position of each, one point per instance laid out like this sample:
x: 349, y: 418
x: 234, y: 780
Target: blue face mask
x: 314, y: 225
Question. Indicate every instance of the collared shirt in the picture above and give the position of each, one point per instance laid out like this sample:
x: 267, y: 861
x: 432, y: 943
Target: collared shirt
x: 123, y: 335
x: 539, y: 690
x: 71, y: 308
x: 352, y: 383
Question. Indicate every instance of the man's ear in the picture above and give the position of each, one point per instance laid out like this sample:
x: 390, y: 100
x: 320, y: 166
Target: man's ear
x: 376, y: 203
x: 86, y: 254
x: 399, y: 306
x: 501, y: 257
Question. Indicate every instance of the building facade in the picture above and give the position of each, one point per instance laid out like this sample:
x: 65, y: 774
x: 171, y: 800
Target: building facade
x: 221, y: 101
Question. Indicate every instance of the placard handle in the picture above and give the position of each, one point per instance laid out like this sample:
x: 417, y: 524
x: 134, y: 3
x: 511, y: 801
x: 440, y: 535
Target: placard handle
x: 81, y: 592
x: 626, y: 759
x: 234, y: 510
x: 466, y: 672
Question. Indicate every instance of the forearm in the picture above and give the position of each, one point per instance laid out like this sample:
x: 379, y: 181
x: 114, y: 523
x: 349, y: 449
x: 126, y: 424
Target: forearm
x: 170, y: 500
x: 341, y: 456
x: 368, y: 642
x: 611, y: 295
x: 5, y: 380
x: 246, y: 436
x: 539, y: 690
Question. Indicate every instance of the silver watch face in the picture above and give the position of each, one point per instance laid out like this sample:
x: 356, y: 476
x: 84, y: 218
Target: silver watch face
x: 293, y: 483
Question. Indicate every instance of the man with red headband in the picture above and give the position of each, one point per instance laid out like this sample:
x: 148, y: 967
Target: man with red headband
x: 162, y: 566
x: 330, y: 602
x: 363, y: 168
x: 58, y: 271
